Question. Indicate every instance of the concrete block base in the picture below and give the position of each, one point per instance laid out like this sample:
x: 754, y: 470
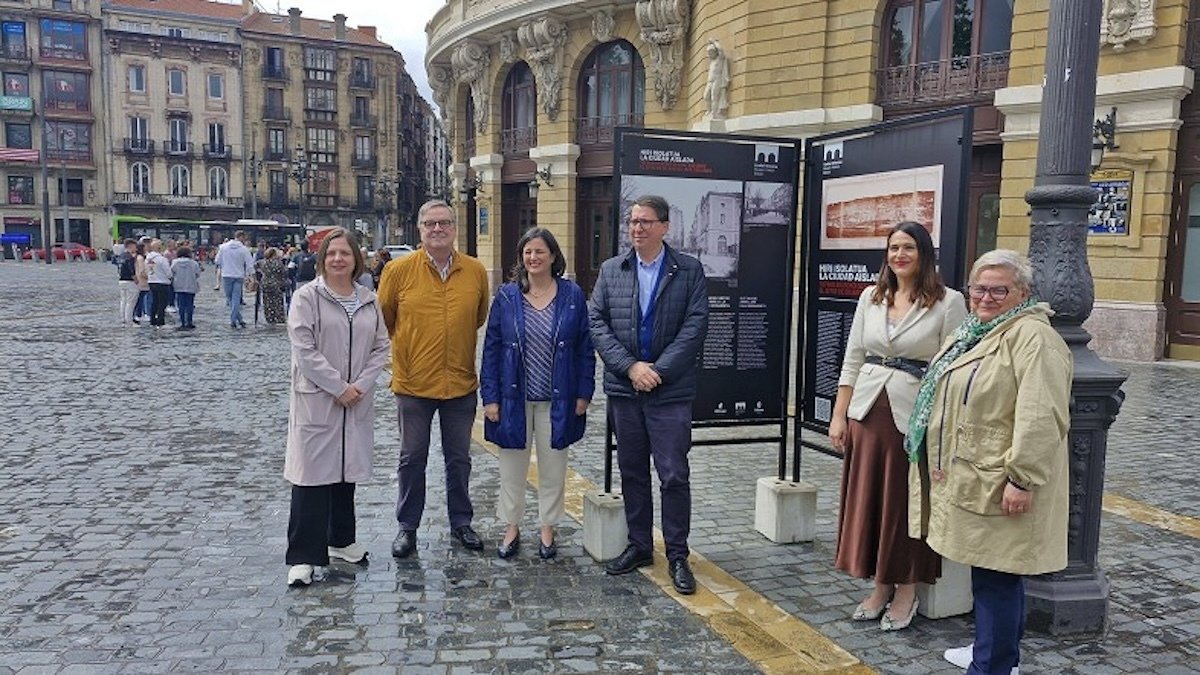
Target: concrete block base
x: 950, y: 596
x: 605, y: 533
x: 785, y: 512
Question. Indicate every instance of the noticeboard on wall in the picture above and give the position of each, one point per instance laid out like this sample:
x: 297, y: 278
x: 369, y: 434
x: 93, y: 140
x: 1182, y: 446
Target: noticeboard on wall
x: 1110, y: 214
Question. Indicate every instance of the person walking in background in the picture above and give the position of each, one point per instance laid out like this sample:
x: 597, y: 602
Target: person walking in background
x: 185, y: 273
x: 382, y: 258
x: 306, y: 266
x: 536, y: 379
x: 898, y: 326
x: 988, y: 434
x: 141, y: 277
x: 127, y: 280
x: 434, y: 302
x: 339, y: 347
x: 237, y: 265
x: 649, y: 314
x: 158, y: 275
x: 274, y: 280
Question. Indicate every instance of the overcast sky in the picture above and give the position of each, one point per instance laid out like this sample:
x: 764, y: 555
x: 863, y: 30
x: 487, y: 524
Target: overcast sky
x: 401, y: 24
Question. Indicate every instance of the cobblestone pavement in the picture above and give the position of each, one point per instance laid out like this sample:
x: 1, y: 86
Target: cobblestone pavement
x: 144, y: 512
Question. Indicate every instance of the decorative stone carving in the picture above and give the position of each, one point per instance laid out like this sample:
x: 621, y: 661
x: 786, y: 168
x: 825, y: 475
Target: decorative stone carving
x: 471, y: 62
x: 1126, y: 20
x: 664, y: 25
x: 716, y: 92
x: 441, y: 78
x: 543, y: 40
x: 253, y: 54
x: 114, y: 45
x: 604, y: 26
x: 508, y: 47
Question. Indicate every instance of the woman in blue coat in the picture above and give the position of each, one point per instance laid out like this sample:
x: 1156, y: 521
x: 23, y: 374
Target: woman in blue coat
x: 536, y: 380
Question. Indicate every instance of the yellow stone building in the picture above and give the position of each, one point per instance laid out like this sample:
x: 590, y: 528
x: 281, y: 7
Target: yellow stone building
x: 530, y: 86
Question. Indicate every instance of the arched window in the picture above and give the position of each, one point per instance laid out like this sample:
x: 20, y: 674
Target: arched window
x: 612, y: 92
x: 518, y: 130
x: 181, y: 181
x: 722, y: 243
x: 944, y: 49
x: 139, y: 178
x: 218, y: 183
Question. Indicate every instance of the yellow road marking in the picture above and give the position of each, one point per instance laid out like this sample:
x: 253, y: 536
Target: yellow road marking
x: 1152, y: 516
x: 772, y: 639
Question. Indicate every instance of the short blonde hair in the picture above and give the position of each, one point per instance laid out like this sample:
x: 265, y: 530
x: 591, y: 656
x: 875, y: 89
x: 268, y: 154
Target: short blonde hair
x: 1007, y: 259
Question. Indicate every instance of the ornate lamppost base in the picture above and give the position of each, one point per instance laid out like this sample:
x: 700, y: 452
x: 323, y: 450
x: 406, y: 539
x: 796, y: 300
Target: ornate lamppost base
x: 1061, y: 606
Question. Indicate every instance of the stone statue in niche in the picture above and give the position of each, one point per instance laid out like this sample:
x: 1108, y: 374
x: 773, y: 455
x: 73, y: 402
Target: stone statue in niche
x: 716, y: 92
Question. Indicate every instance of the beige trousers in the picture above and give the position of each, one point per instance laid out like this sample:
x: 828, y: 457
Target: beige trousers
x: 551, y: 468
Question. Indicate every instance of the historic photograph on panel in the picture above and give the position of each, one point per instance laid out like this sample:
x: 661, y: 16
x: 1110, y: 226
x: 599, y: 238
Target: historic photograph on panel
x: 706, y: 218
x: 858, y: 211
x: 767, y: 204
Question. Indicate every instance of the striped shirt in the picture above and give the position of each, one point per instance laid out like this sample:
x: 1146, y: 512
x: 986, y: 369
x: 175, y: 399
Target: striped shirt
x: 349, y: 303
x: 539, y: 351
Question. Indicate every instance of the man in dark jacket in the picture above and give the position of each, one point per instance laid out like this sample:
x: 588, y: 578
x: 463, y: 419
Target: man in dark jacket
x: 649, y: 313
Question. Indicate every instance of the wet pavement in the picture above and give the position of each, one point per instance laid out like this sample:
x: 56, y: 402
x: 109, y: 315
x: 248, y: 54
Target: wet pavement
x: 143, y: 516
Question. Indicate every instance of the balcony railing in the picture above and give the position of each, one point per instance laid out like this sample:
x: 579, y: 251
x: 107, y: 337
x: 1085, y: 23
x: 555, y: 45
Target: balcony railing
x: 277, y: 113
x: 175, y: 200
x: 599, y: 130
x: 217, y: 151
x: 326, y: 201
x: 363, y: 120
x: 362, y: 81
x: 274, y: 72
x: 16, y: 54
x: 67, y: 106
x: 174, y: 148
x: 316, y: 115
x: 363, y: 162
x: 517, y: 141
x: 54, y: 54
x: 961, y: 78
x: 68, y: 155
x: 276, y: 155
x: 139, y: 146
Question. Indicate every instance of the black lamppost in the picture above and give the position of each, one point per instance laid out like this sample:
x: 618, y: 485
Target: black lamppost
x: 254, y: 167
x: 47, y: 224
x: 470, y: 187
x: 386, y: 189
x: 1074, y: 600
x: 299, y: 171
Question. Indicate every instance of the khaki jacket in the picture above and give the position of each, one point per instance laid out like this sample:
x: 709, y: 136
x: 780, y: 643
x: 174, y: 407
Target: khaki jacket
x: 328, y: 443
x: 918, y: 337
x: 434, y: 324
x: 1001, y: 412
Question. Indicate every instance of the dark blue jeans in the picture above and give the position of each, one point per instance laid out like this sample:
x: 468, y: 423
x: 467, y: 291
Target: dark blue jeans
x: 999, y: 621
x: 186, y: 303
x: 664, y: 432
x: 456, y: 417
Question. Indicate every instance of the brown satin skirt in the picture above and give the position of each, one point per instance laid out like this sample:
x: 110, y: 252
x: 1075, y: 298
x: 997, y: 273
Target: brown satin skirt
x: 873, y: 539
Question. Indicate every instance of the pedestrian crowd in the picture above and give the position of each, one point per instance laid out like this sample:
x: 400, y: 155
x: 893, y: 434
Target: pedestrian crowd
x: 951, y: 411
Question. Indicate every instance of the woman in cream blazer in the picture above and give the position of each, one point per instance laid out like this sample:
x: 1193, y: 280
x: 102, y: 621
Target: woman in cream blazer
x: 899, y: 324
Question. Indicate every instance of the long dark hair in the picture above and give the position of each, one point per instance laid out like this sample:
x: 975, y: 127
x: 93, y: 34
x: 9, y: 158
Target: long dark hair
x: 519, y: 274
x: 929, y: 289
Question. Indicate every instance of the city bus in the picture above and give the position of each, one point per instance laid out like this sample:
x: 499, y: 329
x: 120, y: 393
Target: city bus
x: 207, y: 235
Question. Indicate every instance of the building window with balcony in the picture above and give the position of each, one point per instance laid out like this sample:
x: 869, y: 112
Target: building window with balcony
x: 216, y: 138
x: 177, y: 141
x: 364, y: 151
x: 181, y: 181
x: 64, y: 40
x: 366, y: 191
x: 518, y: 131
x: 612, y: 92
x: 218, y: 183
x: 20, y: 189
x: 66, y: 92
x: 277, y: 184
x: 69, y: 141
x: 137, y: 78
x: 320, y: 104
x: 12, y: 40
x: 320, y: 64
x: 70, y: 192
x: 276, y: 144
x: 273, y: 62
x: 135, y: 26
x: 139, y: 137
x: 176, y: 82
x: 139, y: 178
x: 176, y: 32
x: 18, y: 135
x: 322, y: 145
x: 362, y: 74
x: 16, y: 84
x: 324, y: 188
x: 216, y: 86
x: 937, y: 50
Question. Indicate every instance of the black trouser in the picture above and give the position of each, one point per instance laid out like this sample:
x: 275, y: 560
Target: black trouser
x: 322, y: 516
x: 159, y: 295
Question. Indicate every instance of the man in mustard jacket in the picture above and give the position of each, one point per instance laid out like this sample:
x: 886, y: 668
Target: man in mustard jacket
x: 434, y: 302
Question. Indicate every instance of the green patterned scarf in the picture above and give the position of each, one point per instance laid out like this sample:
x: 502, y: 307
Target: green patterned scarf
x: 965, y: 336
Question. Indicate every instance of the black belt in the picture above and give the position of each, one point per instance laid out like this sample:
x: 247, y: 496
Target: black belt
x: 911, y: 366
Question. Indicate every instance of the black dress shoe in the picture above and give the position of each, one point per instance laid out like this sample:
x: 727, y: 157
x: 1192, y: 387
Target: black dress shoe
x: 468, y: 537
x: 510, y: 549
x: 404, y: 543
x: 681, y: 576
x: 546, y: 551
x: 629, y: 560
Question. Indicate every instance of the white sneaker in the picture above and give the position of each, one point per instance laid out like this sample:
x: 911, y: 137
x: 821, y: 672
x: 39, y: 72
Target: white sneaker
x: 962, y: 656
x: 300, y: 575
x: 354, y: 553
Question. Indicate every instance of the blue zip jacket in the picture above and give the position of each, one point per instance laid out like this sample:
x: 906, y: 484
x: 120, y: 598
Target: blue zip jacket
x: 502, y: 373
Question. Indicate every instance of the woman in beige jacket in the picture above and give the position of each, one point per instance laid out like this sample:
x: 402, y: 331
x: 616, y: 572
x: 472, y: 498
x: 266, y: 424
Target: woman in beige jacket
x: 898, y: 326
x: 990, y: 423
x: 339, y: 346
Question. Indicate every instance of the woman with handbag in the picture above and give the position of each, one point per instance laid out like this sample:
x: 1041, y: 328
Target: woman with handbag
x: 339, y: 347
x: 898, y: 326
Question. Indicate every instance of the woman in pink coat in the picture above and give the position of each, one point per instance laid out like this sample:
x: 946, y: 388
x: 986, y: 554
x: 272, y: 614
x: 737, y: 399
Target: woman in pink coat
x: 339, y: 346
